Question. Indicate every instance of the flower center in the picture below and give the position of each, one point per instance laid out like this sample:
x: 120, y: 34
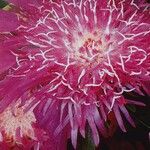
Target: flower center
x: 89, y: 48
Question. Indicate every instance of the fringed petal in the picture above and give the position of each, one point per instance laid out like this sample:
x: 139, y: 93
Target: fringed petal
x: 8, y: 21
x: 7, y: 60
x: 93, y: 127
x: 119, y: 118
x: 24, y: 4
x: 126, y: 114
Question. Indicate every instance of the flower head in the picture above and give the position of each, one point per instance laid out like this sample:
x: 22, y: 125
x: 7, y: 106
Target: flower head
x: 18, y: 121
x: 18, y: 127
x: 75, y: 59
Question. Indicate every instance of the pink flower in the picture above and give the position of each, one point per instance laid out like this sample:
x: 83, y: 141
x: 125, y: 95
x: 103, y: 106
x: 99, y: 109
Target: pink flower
x: 72, y: 61
x: 19, y: 128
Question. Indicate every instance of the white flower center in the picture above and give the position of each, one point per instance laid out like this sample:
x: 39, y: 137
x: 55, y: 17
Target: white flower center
x: 17, y: 123
x: 89, y: 48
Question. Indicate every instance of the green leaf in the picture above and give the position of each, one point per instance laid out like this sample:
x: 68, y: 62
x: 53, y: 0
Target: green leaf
x: 3, y: 3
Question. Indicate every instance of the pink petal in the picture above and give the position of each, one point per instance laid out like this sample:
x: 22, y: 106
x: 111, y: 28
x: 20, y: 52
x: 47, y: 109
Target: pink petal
x: 94, y: 130
x: 135, y: 103
x: 99, y: 122
x: 8, y: 21
x: 119, y: 118
x: 126, y: 114
x: 74, y: 133
x: 6, y: 60
x: 25, y: 3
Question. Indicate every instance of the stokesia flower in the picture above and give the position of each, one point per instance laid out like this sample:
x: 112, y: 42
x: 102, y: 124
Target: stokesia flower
x: 70, y: 63
x: 19, y: 127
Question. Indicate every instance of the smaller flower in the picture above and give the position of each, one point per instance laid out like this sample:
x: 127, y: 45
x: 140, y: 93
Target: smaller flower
x: 18, y: 126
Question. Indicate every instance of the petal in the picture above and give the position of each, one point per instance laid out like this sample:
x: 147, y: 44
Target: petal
x: 126, y: 114
x: 74, y: 133
x: 99, y: 122
x: 6, y: 60
x: 119, y: 118
x: 135, y: 103
x: 94, y: 130
x: 24, y: 3
x: 8, y: 21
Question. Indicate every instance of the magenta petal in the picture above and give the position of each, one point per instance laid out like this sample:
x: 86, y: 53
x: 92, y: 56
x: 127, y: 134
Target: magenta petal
x: 8, y: 21
x: 119, y: 118
x: 94, y: 130
x: 6, y: 60
x: 126, y: 114
x: 135, y: 103
x: 74, y: 133
x: 24, y: 3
